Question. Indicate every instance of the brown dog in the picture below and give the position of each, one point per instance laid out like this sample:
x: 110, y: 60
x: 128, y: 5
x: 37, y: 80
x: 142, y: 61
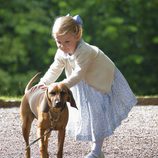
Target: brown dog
x: 49, y: 106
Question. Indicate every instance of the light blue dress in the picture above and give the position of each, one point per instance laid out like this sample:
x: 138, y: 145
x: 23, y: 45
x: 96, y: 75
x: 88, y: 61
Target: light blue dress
x: 99, y: 114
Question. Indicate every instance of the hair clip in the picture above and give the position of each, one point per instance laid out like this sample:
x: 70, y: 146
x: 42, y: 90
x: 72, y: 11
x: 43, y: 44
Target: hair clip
x: 77, y: 18
x: 68, y: 14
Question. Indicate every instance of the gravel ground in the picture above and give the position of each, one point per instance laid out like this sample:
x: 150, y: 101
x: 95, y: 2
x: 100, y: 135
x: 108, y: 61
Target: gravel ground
x: 137, y: 137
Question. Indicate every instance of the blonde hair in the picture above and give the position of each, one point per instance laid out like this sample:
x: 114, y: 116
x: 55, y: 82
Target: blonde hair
x: 66, y: 24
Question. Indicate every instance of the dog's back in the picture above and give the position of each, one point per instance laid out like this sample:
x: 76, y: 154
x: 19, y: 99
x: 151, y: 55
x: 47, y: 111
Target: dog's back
x: 32, y: 93
x: 35, y: 97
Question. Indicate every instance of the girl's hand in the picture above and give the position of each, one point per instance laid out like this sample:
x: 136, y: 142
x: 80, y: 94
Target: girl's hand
x: 39, y: 86
x: 42, y: 86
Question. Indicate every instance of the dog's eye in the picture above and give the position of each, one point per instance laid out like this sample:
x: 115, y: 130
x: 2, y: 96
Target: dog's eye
x: 62, y: 92
x: 53, y: 93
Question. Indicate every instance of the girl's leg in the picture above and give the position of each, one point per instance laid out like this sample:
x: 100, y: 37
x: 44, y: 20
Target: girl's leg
x: 96, y: 149
x: 97, y: 146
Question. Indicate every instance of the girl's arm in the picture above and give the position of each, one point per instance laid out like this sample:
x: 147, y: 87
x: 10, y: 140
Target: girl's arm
x: 54, y: 71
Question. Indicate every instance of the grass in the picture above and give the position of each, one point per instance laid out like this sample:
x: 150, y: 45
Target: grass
x: 148, y: 96
x: 10, y: 98
x: 9, y: 101
x: 18, y: 98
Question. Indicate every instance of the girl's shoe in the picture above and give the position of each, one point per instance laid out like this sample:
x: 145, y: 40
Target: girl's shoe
x: 91, y: 155
x: 101, y: 155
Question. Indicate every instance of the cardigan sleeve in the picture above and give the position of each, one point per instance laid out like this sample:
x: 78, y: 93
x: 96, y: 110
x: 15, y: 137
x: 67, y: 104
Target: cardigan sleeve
x: 54, y: 70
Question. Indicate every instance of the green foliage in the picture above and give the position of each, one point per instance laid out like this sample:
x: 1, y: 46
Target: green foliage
x: 125, y: 30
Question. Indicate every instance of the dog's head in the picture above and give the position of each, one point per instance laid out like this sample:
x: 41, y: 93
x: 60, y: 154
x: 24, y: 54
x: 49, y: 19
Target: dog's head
x: 57, y: 95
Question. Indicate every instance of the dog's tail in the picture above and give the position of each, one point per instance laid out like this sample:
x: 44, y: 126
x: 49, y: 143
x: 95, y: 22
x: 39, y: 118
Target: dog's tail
x: 29, y: 85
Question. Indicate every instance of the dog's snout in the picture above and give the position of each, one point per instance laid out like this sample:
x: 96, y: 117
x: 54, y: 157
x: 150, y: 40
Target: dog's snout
x: 57, y: 102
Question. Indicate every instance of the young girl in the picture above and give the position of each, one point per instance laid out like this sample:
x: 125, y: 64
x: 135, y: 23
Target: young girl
x: 102, y: 94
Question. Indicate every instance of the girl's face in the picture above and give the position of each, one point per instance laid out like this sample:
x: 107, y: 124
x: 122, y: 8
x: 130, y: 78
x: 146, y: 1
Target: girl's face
x: 67, y: 43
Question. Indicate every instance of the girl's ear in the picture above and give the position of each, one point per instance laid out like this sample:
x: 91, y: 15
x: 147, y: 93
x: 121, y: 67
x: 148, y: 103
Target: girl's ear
x: 71, y: 99
x: 78, y: 36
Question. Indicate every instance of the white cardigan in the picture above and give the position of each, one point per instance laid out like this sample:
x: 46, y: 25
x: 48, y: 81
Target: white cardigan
x: 88, y: 63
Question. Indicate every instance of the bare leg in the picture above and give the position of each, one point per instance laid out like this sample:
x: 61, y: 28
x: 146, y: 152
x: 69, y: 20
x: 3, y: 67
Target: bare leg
x: 96, y: 149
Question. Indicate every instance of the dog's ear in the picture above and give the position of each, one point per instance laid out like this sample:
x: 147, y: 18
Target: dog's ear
x: 44, y: 107
x: 71, y: 99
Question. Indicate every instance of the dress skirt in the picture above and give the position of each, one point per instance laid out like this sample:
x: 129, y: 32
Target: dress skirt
x: 99, y: 114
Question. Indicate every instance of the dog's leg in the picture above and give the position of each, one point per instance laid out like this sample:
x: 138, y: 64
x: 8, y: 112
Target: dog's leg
x: 61, y: 138
x: 26, y: 118
x: 43, y: 142
x: 46, y: 142
x: 26, y: 126
x: 43, y: 153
